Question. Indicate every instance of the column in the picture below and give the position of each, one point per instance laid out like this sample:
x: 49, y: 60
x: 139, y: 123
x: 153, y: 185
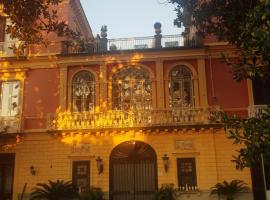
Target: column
x: 63, y: 88
x: 202, y: 82
x: 160, y: 85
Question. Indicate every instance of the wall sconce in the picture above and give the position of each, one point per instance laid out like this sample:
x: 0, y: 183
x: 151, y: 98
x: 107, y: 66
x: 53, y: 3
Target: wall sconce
x: 99, y: 164
x: 32, y: 170
x: 165, y: 159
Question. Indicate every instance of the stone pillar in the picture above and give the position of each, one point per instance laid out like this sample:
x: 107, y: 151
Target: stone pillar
x: 103, y: 85
x: 158, y: 35
x: 160, y: 85
x: 103, y: 39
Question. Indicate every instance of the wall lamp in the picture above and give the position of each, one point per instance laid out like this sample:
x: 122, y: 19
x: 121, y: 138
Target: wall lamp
x: 32, y: 170
x: 165, y: 159
x: 99, y: 165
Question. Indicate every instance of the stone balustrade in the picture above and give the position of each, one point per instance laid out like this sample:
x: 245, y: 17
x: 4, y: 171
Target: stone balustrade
x: 129, y: 119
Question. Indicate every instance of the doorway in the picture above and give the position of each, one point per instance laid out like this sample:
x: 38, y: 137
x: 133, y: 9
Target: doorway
x: 7, y: 164
x: 133, y: 171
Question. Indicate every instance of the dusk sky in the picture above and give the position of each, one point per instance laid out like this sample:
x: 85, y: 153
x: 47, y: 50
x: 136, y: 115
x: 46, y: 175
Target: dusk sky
x: 130, y: 18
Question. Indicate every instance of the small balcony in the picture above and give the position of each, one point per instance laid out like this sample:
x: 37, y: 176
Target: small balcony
x: 254, y: 110
x: 9, y: 125
x: 115, y: 119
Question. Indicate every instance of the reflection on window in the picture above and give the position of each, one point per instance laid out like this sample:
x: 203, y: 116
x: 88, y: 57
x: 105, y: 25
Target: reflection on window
x: 10, y: 92
x: 132, y: 89
x: 83, y: 92
x: 180, y: 87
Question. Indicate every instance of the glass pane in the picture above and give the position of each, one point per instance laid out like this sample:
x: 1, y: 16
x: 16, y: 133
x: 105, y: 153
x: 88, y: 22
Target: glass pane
x: 83, y: 92
x: 180, y: 87
x: 132, y: 89
x: 10, y: 92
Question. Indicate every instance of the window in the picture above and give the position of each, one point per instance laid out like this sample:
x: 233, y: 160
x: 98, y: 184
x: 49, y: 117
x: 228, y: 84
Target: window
x: 132, y: 89
x: 180, y: 87
x: 10, y: 93
x: 81, y: 175
x: 186, y: 171
x: 83, y: 92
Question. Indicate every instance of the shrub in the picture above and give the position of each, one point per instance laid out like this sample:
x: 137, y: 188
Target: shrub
x: 93, y: 193
x: 229, y: 190
x: 166, y: 192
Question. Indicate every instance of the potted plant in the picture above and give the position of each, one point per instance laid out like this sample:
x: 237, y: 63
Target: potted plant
x: 229, y: 189
x: 93, y: 193
x: 166, y: 192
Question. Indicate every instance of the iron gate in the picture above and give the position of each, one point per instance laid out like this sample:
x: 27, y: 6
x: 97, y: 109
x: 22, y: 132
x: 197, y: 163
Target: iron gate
x: 133, y: 172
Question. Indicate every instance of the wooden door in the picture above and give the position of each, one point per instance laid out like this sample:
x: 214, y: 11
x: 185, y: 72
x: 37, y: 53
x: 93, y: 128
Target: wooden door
x: 133, y: 172
x: 7, y: 162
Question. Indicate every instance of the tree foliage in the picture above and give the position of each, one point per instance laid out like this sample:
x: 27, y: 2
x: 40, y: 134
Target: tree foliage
x: 246, y: 25
x: 243, y: 23
x: 252, y: 134
x: 31, y: 20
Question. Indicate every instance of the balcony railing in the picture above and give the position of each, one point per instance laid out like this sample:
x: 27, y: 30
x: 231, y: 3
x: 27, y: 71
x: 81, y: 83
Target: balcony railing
x: 9, y: 125
x: 120, y: 119
x: 253, y: 111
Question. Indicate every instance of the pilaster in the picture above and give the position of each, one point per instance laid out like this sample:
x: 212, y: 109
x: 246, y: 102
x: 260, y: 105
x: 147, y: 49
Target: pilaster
x: 202, y: 82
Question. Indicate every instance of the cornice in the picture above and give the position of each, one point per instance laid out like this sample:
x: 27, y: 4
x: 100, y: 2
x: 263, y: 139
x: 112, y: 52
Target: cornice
x: 116, y: 57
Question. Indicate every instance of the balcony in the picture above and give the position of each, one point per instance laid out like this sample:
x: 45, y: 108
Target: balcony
x: 9, y: 125
x: 115, y: 119
x: 254, y: 110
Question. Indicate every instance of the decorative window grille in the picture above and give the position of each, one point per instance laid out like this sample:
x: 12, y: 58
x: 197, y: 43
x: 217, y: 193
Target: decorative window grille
x: 10, y: 96
x: 132, y: 89
x: 83, y: 92
x: 186, y: 171
x: 180, y: 87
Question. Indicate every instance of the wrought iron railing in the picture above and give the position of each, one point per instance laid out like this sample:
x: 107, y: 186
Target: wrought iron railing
x: 10, y: 125
x: 121, y: 119
x: 254, y: 110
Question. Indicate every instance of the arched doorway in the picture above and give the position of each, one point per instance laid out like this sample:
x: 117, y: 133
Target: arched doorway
x: 133, y: 171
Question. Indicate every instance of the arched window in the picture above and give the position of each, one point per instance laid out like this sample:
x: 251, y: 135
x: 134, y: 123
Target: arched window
x: 83, y: 92
x: 131, y: 89
x: 180, y: 87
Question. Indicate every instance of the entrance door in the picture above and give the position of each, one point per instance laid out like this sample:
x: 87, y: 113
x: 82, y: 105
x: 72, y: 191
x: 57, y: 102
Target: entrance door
x: 133, y: 172
x: 6, y: 175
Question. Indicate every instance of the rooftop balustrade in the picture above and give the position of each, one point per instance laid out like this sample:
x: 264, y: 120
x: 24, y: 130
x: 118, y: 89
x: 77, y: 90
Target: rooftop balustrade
x: 100, y: 44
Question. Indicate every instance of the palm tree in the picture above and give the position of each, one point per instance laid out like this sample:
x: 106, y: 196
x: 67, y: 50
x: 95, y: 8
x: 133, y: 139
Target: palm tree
x: 229, y: 190
x: 58, y: 190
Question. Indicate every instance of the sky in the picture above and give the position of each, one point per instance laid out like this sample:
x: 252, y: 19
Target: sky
x: 130, y: 18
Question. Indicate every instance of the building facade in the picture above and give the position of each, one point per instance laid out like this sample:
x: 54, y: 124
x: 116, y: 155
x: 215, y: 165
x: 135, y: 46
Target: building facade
x: 127, y: 117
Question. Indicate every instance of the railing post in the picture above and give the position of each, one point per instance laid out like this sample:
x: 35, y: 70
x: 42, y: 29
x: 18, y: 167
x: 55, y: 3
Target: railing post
x: 158, y: 35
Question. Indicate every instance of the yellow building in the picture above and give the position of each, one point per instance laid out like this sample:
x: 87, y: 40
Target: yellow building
x: 125, y: 116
